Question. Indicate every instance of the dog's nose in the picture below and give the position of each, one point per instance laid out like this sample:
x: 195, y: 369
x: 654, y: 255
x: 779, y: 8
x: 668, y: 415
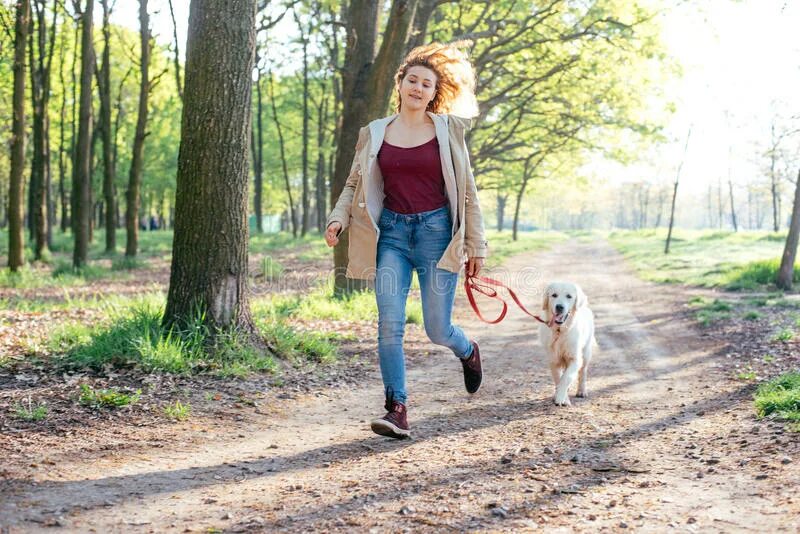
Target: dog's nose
x: 559, y: 308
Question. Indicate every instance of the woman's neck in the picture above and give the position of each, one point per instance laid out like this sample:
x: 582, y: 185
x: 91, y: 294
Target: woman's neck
x: 413, y: 118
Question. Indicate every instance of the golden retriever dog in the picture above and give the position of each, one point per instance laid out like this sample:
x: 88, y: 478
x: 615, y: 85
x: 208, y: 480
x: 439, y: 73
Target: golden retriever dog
x: 568, y: 337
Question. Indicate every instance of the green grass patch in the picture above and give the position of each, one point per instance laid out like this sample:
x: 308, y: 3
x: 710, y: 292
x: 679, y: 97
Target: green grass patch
x: 30, y: 412
x: 733, y: 260
x: 126, y: 263
x: 132, y: 336
x: 107, y: 398
x: 178, y: 411
x: 780, y: 398
x: 708, y: 312
x: 784, y: 335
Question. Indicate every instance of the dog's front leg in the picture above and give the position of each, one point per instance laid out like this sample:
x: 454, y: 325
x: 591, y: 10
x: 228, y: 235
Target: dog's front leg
x: 571, y: 372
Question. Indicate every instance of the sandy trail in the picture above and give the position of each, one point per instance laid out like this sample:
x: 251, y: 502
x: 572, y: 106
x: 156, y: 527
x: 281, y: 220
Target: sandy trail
x: 665, y: 439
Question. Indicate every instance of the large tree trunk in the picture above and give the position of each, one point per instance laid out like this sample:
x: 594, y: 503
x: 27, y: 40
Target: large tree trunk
x: 209, y: 253
x: 135, y: 177
x: 109, y: 172
x: 16, y: 234
x: 81, y: 176
x: 786, y: 271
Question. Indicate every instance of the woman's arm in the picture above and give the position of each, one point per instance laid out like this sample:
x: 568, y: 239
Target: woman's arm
x: 341, y: 212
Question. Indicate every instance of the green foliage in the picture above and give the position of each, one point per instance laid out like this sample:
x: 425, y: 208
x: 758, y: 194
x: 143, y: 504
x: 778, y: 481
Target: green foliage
x: 178, y: 411
x: 297, y: 345
x: 741, y: 260
x: 748, y: 374
x: 780, y: 398
x: 784, y: 334
x: 107, y: 398
x: 29, y: 412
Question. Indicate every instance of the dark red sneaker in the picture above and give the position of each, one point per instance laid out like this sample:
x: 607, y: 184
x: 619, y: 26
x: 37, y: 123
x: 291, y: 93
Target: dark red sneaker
x: 394, y: 424
x: 473, y: 373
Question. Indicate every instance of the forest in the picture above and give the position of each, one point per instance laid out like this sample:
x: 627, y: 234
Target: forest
x: 180, y: 348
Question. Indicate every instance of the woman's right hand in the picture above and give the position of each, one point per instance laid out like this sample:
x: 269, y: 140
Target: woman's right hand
x: 331, y: 234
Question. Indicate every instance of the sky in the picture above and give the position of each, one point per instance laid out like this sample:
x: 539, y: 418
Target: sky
x: 741, y: 66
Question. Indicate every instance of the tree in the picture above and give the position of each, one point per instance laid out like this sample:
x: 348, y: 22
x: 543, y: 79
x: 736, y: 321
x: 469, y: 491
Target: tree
x: 786, y: 271
x: 16, y: 243
x: 366, y: 86
x: 81, y: 175
x: 40, y: 67
x: 675, y: 193
x: 209, y: 253
x: 109, y: 170
x: 135, y: 177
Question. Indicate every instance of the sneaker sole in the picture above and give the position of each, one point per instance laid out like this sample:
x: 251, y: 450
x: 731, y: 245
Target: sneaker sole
x: 385, y: 428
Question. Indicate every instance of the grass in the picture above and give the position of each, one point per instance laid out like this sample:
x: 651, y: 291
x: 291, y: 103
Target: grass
x: 708, y: 312
x: 178, y: 411
x: 132, y: 336
x: 780, y: 398
x: 29, y: 412
x: 107, y: 398
x: 730, y: 260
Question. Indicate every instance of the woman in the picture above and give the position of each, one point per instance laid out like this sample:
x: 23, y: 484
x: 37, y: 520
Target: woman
x: 410, y: 203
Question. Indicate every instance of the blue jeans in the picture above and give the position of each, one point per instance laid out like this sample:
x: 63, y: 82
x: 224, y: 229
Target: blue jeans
x: 415, y: 241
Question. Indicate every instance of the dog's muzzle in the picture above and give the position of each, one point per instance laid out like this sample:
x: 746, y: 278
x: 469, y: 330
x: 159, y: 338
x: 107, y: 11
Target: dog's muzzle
x: 561, y: 319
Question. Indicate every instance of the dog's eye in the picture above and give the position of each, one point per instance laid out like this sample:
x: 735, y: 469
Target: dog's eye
x: 569, y: 296
x: 554, y: 295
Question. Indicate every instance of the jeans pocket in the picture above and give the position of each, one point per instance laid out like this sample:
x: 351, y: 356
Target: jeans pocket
x: 438, y: 223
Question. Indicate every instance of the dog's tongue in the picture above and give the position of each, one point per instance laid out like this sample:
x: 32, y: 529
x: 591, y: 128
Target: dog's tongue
x: 553, y: 321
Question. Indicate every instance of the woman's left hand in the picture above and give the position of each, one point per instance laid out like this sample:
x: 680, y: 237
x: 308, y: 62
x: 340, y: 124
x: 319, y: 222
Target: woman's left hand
x: 474, y: 266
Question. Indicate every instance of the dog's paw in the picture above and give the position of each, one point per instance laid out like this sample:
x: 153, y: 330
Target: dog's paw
x: 560, y: 400
x: 582, y: 394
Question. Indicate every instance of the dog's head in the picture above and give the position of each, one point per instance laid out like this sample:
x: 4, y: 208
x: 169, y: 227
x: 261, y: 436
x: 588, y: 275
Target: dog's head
x: 561, y: 299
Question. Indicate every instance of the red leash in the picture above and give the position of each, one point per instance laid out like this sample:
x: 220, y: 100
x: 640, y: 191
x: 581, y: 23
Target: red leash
x: 483, y: 285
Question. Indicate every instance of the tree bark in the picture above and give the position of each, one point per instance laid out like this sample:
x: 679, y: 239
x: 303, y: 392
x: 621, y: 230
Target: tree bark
x: 81, y: 176
x: 135, y: 177
x: 393, y: 48
x: 306, y: 195
x: 109, y: 171
x: 322, y: 117
x: 258, y: 160
x: 40, y: 64
x: 209, y: 254
x: 16, y: 234
x: 786, y: 271
x: 733, y: 207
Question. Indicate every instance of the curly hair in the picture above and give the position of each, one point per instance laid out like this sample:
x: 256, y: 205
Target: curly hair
x: 455, y: 85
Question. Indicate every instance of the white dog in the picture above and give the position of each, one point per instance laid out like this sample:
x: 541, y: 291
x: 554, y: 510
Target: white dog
x: 567, y: 337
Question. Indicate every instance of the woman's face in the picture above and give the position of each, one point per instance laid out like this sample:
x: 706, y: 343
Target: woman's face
x: 418, y: 88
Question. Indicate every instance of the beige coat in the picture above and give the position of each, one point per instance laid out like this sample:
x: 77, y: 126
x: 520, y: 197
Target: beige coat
x: 361, y: 202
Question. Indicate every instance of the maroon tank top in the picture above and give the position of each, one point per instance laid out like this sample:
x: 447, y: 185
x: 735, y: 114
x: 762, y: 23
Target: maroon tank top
x: 412, y: 177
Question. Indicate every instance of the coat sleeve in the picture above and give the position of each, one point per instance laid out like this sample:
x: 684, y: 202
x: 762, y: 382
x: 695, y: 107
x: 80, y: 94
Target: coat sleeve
x: 341, y: 212
x: 475, y: 244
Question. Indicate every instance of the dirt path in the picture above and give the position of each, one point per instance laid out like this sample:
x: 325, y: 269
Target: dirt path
x: 665, y: 439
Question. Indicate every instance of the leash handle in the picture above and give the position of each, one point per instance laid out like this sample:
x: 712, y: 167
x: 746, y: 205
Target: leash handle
x: 473, y: 283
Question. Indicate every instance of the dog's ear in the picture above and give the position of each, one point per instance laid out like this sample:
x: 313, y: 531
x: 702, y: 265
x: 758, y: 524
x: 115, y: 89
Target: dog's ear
x: 580, y: 297
x: 546, y: 299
